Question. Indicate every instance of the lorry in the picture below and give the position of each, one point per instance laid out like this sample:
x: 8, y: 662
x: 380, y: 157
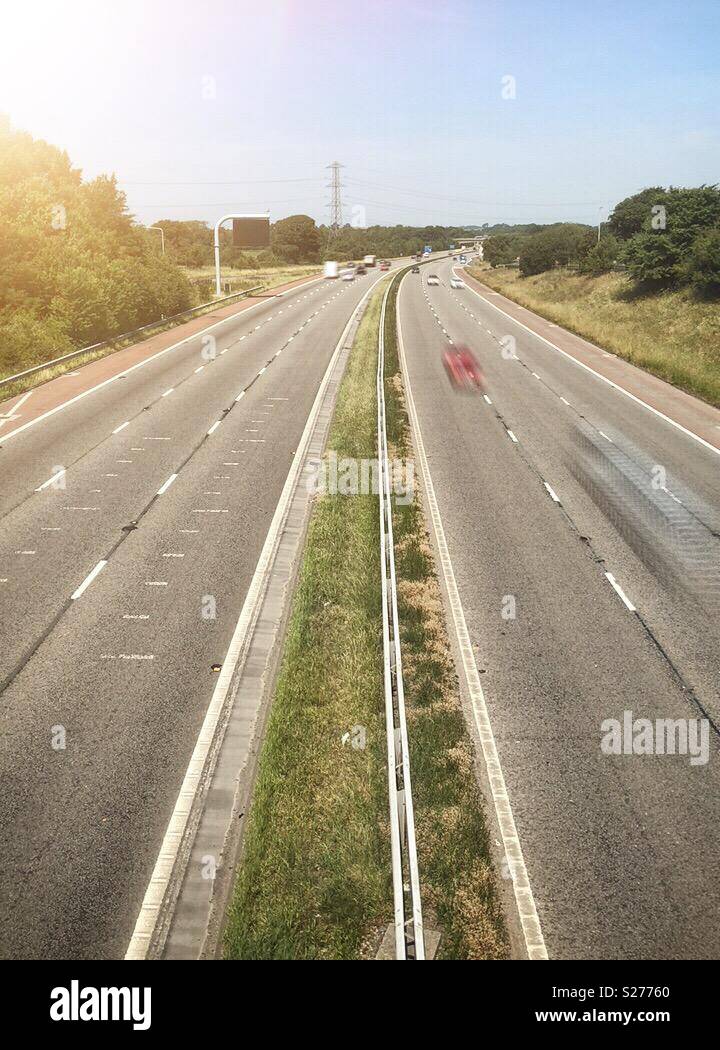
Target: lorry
x: 330, y: 269
x: 369, y: 260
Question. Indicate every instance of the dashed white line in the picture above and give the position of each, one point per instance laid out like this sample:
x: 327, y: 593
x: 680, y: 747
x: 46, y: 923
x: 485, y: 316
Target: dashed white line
x: 88, y: 580
x: 121, y: 427
x: 163, y: 488
x: 616, y: 586
x: 553, y: 495
x: 51, y: 480
x: 214, y: 427
x: 512, y: 436
x: 168, y: 392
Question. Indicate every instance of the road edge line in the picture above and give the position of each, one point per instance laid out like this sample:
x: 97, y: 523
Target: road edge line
x: 154, y: 901
x: 139, y: 364
x: 524, y: 899
x: 598, y: 375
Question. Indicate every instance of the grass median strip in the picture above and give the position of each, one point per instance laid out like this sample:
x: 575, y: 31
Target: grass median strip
x: 314, y: 880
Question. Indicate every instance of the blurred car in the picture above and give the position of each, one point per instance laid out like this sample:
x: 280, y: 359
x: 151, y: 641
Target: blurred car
x: 455, y: 282
x: 462, y: 369
x: 360, y: 271
x: 433, y: 279
x: 385, y: 264
x: 415, y: 269
x: 349, y: 276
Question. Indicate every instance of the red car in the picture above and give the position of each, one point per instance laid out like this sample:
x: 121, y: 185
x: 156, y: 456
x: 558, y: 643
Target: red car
x: 462, y: 369
x: 385, y: 264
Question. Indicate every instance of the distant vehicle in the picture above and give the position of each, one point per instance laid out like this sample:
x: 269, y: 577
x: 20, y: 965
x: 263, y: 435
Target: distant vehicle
x: 463, y: 260
x: 330, y: 270
x: 427, y: 250
x: 360, y: 270
x: 349, y: 275
x: 455, y: 282
x: 462, y: 369
x: 433, y: 279
x: 369, y: 260
x: 416, y: 269
x: 385, y: 264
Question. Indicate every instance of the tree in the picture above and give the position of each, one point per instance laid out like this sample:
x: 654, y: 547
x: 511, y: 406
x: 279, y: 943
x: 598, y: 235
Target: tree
x: 557, y: 245
x: 499, y: 251
x: 634, y: 214
x: 653, y: 259
x: 300, y: 235
x: 600, y: 257
x: 704, y: 263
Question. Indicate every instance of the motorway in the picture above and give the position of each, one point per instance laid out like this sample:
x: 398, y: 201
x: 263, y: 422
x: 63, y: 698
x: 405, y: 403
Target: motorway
x: 131, y: 525
x: 621, y: 850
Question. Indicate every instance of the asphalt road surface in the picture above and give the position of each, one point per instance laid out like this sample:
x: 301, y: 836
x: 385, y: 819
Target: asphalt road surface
x: 546, y: 484
x: 170, y: 476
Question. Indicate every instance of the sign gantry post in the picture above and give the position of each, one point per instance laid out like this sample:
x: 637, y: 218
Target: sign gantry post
x: 249, y: 231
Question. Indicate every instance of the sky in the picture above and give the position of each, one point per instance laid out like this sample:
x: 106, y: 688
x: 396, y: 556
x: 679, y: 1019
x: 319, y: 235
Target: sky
x: 451, y: 113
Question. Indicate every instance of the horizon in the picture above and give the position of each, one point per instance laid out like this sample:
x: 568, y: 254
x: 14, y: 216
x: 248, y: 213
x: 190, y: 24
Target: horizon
x: 448, y: 142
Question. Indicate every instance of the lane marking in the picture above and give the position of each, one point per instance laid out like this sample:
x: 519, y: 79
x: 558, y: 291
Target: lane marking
x: 136, y: 616
x: 51, y: 480
x: 524, y: 899
x: 551, y: 491
x: 487, y: 399
x: 121, y: 427
x: 564, y: 400
x: 512, y: 437
x: 88, y: 580
x: 141, y: 364
x: 156, y: 583
x: 616, y: 586
x: 159, y: 883
x: 609, y: 382
x: 163, y: 488
x: 214, y: 427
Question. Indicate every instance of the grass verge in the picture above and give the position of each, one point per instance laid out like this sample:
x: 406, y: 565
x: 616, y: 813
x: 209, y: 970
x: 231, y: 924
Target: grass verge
x: 671, y: 334
x: 267, y: 279
x: 314, y: 880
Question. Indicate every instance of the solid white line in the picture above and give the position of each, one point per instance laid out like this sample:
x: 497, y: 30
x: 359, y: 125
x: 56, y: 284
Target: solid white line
x: 620, y: 389
x: 140, y: 364
x: 524, y: 899
x: 214, y: 427
x: 551, y: 491
x: 50, y: 480
x: 167, y: 484
x: 115, y: 431
x: 141, y: 939
x: 613, y: 583
x: 88, y: 580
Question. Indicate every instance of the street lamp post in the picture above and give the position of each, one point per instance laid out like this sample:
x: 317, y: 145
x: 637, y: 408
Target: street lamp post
x: 162, y: 235
x: 218, y: 224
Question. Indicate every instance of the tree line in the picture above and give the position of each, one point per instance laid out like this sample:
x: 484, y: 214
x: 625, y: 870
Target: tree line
x: 75, y: 268
x: 662, y: 238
